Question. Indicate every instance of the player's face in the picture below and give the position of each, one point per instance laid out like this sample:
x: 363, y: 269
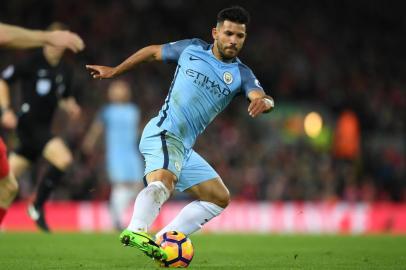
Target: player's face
x: 229, y: 39
x: 54, y: 52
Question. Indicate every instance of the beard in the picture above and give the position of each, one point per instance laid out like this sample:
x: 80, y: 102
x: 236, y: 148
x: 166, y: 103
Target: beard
x: 222, y: 50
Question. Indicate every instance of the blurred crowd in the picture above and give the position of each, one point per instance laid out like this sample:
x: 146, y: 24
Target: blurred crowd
x: 332, y: 57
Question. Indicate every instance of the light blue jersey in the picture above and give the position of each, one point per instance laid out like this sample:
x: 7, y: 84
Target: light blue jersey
x: 123, y: 159
x: 202, y: 87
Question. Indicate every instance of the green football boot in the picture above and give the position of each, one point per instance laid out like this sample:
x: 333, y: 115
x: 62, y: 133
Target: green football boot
x: 143, y: 242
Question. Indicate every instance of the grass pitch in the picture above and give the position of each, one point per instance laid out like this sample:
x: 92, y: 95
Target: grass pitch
x: 103, y: 252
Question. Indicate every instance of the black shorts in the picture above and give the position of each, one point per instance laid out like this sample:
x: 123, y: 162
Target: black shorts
x: 32, y: 141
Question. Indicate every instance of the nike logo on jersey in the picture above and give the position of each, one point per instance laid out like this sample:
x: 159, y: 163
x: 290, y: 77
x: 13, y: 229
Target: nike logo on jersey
x: 194, y: 58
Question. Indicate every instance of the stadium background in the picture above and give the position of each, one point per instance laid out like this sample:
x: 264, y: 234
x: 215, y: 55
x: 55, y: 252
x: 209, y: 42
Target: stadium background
x: 344, y: 60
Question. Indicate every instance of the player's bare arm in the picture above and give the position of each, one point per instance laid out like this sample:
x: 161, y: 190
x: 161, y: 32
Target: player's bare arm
x: 146, y: 54
x: 260, y: 103
x: 64, y: 39
x: 92, y: 136
x: 21, y: 38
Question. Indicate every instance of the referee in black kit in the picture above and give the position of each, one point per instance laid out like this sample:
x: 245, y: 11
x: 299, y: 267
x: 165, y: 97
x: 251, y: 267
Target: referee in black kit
x: 46, y: 85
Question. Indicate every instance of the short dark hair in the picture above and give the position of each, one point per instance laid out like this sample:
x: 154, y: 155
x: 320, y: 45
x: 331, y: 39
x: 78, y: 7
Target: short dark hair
x: 235, y: 14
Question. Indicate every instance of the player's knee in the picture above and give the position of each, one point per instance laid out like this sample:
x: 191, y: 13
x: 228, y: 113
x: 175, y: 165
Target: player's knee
x: 169, y: 184
x: 68, y: 160
x: 8, y: 190
x: 222, y: 199
x: 63, y: 163
x: 159, y: 191
x: 165, y: 177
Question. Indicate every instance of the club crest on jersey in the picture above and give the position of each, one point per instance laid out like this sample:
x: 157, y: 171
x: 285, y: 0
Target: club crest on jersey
x: 43, y: 87
x: 227, y: 77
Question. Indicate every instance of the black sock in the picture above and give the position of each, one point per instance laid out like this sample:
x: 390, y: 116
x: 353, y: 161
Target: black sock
x: 47, y: 185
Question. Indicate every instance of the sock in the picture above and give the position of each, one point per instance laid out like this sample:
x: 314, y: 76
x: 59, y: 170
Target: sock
x: 47, y: 185
x: 120, y: 198
x: 192, y: 217
x: 3, y: 212
x: 147, y: 206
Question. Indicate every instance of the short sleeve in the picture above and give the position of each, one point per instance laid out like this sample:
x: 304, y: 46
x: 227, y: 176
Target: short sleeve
x: 172, y: 51
x: 248, y: 80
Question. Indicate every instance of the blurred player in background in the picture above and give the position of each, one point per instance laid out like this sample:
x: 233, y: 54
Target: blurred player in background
x: 46, y: 84
x: 120, y: 120
x: 20, y: 38
x: 207, y: 78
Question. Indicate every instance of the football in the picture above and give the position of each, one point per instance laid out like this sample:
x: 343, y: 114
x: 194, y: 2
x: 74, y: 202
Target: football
x: 178, y: 247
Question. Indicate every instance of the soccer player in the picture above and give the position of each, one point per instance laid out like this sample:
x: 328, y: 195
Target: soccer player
x: 120, y: 120
x: 20, y: 38
x: 207, y: 78
x: 46, y: 83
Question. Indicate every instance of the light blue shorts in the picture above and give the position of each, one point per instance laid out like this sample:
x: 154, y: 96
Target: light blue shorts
x: 124, y: 166
x: 163, y: 150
